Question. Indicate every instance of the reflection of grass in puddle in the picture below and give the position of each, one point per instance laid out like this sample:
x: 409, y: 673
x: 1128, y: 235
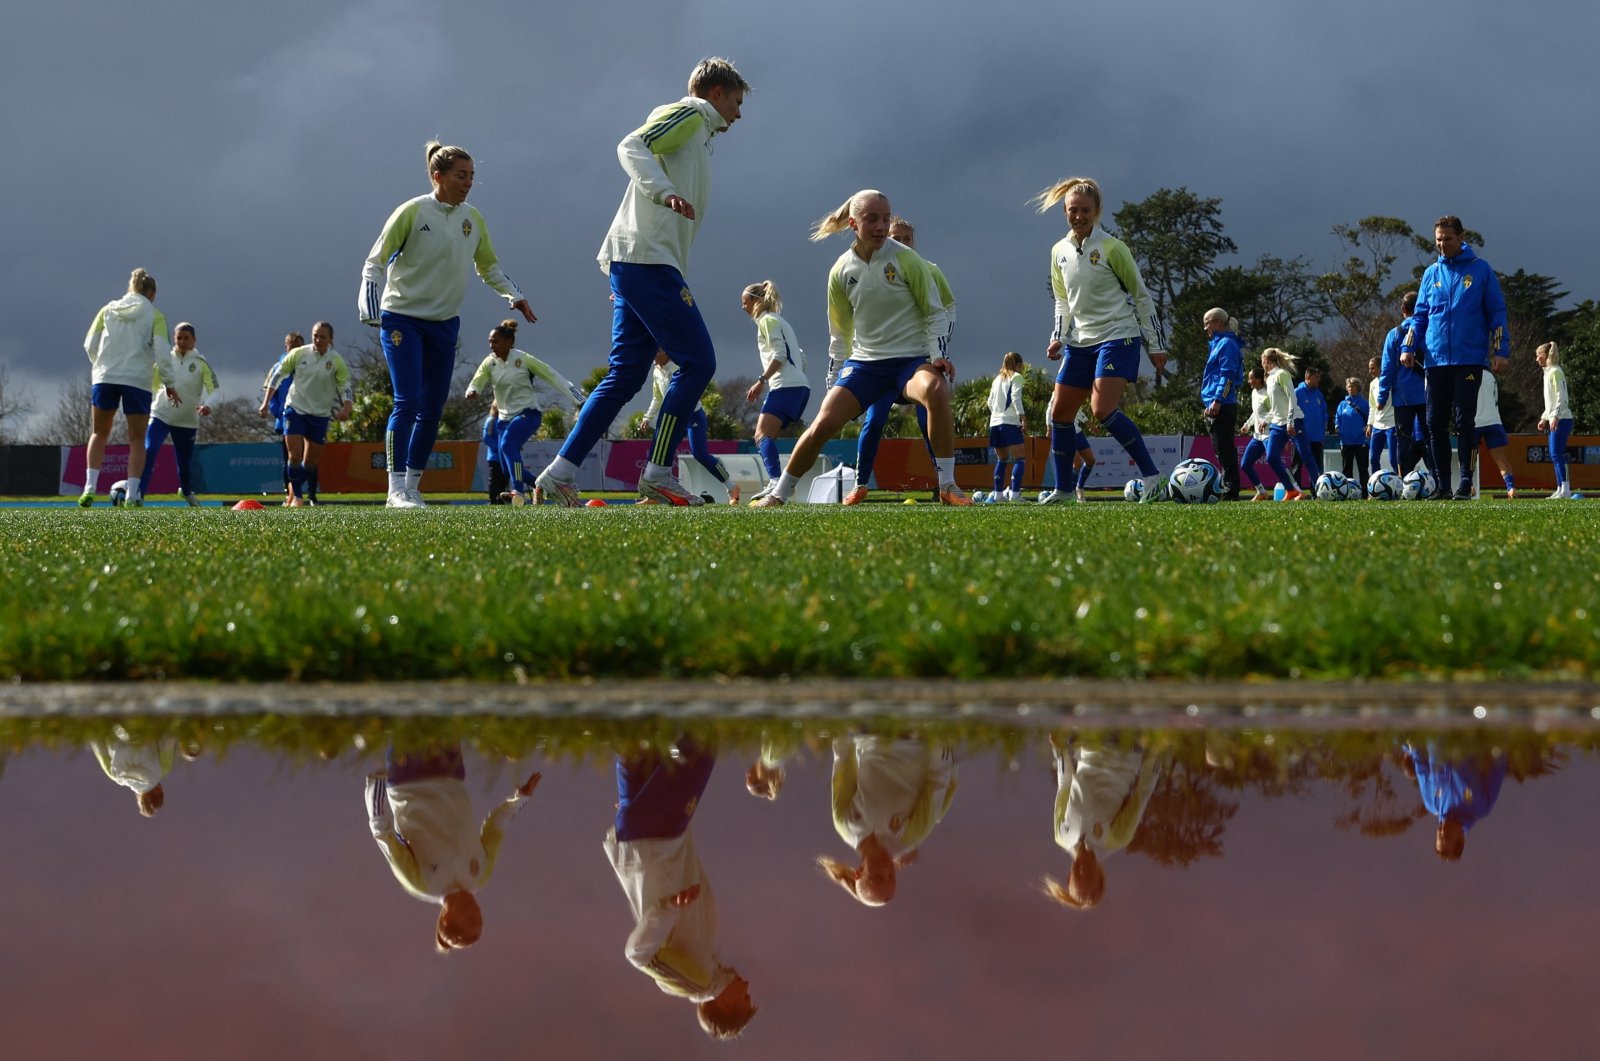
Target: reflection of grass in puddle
x: 1115, y: 591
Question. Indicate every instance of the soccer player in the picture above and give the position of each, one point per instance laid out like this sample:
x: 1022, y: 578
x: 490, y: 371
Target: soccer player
x: 697, y: 429
x: 1311, y: 423
x: 124, y: 344
x: 1259, y: 428
x: 651, y: 848
x: 888, y: 794
x: 1493, y: 432
x: 275, y: 400
x: 141, y: 767
x: 514, y: 376
x: 1101, y: 795
x: 1557, y: 415
x: 192, y: 379
x: 420, y: 814
x: 646, y: 253
x: 783, y: 375
x: 884, y: 324
x: 1404, y: 387
x: 1381, y: 432
x: 1219, y: 389
x: 1281, y: 409
x: 320, y: 391
x: 1457, y: 331
x: 877, y: 417
x: 1351, y: 420
x: 1459, y: 791
x: 1007, y: 424
x: 1103, y: 315
x: 411, y: 287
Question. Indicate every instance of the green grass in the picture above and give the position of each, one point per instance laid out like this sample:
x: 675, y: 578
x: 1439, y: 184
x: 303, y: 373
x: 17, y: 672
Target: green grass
x: 1491, y: 590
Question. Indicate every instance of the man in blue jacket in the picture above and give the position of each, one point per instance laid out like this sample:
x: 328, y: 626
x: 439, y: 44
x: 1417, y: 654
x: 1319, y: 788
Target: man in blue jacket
x: 1459, y: 328
x: 1311, y: 427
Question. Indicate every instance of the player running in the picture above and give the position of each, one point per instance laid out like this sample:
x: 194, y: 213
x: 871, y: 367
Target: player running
x: 884, y: 323
x: 123, y: 345
x: 1104, y: 316
x: 411, y: 287
x: 1007, y: 423
x: 320, y: 392
x: 783, y: 375
x: 515, y: 377
x: 192, y: 379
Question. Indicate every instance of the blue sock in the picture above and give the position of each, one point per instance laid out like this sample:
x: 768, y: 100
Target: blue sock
x: 1083, y: 475
x: 297, y: 479
x: 311, y: 481
x: 1016, y: 477
x: 1124, y: 431
x: 768, y: 448
x: 1062, y: 437
x: 999, y: 475
x: 1510, y: 485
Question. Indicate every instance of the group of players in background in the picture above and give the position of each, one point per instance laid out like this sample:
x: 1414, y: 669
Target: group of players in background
x: 890, y: 319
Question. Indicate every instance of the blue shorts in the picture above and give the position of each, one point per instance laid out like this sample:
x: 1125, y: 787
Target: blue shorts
x: 1116, y: 359
x: 135, y: 401
x: 1003, y: 435
x: 314, y: 428
x: 871, y: 380
x: 787, y: 404
x: 1493, y: 436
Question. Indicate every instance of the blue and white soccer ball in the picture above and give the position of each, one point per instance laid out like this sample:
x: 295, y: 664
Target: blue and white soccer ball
x: 1383, y: 486
x: 1134, y: 491
x: 1418, y: 485
x: 119, y: 492
x: 1336, y: 486
x: 978, y: 497
x: 1195, y: 482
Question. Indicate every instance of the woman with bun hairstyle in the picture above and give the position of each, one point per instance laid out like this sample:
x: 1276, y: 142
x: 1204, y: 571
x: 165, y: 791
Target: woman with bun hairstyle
x: 514, y: 376
x: 1557, y: 415
x: 123, y: 344
x: 412, y: 287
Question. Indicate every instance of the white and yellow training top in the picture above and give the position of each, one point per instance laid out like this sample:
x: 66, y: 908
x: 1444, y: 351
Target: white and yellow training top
x: 946, y: 325
x: 675, y: 945
x: 1488, y: 401
x: 886, y: 308
x: 1005, y: 400
x: 126, y: 341
x: 139, y: 767
x: 418, y: 267
x: 1101, y: 795
x: 1556, y: 406
x: 776, y: 342
x: 1260, y: 423
x: 1378, y: 419
x: 660, y: 380
x: 1282, y: 407
x: 429, y: 836
x: 896, y: 790
x: 321, y: 381
x: 1100, y: 295
x: 192, y: 378
x: 522, y: 382
x: 670, y: 154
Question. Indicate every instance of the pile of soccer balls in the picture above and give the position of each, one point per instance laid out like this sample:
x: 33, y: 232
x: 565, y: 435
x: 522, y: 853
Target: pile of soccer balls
x: 1336, y: 486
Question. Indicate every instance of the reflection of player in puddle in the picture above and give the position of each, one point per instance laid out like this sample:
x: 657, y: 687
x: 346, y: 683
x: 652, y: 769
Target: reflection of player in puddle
x: 1460, y: 791
x: 421, y: 817
x: 651, y: 848
x: 1101, y: 795
x: 141, y: 766
x: 888, y: 794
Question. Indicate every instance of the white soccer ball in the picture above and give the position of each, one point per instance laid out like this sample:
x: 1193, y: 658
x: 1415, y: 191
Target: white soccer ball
x: 1134, y: 491
x: 1418, y: 485
x: 979, y: 496
x: 1336, y: 486
x: 1195, y: 482
x: 119, y: 492
x: 1383, y: 486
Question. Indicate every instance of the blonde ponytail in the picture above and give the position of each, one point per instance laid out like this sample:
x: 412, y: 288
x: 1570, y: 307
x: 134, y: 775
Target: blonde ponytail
x: 1061, y: 189
x: 839, y: 220
x: 766, y: 296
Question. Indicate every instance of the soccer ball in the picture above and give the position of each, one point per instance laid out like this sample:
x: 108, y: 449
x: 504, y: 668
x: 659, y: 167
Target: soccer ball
x: 1336, y: 486
x: 1195, y: 482
x: 979, y: 496
x: 119, y: 492
x: 1134, y: 491
x: 1418, y: 485
x: 1383, y: 486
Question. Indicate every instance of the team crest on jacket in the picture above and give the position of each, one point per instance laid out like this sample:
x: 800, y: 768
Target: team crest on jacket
x: 395, y: 337
x: 193, y: 367
x: 328, y: 365
x: 1094, y: 256
x: 1466, y: 281
x: 466, y: 226
x: 517, y: 363
x: 889, y: 272
x: 688, y: 299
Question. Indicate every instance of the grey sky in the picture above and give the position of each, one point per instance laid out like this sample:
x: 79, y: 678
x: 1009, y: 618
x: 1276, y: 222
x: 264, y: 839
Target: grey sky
x: 247, y: 154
